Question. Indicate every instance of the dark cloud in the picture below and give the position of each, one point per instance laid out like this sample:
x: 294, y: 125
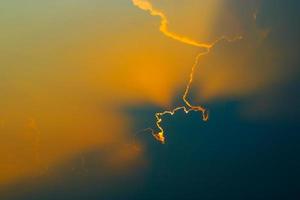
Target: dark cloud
x: 226, y: 157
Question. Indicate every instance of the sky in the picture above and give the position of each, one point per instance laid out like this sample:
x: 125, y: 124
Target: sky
x: 81, y: 82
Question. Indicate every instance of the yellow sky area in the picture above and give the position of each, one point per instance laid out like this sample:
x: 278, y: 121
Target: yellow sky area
x: 142, y: 78
x: 233, y: 71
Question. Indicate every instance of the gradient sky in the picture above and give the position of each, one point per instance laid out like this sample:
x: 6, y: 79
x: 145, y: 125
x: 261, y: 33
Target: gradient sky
x: 79, y: 79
